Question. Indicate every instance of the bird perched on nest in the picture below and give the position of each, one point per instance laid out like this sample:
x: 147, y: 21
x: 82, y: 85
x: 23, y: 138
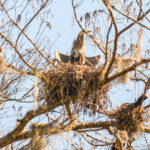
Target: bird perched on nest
x: 137, y: 103
x: 130, y: 119
x: 78, y: 53
x: 140, y: 100
x: 78, y: 49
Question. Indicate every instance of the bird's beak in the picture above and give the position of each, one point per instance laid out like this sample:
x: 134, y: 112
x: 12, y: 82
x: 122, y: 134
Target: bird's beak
x: 145, y: 96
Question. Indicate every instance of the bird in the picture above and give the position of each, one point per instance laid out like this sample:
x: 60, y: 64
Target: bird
x: 78, y: 53
x: 128, y: 115
x: 136, y: 104
x: 140, y: 100
x: 78, y: 49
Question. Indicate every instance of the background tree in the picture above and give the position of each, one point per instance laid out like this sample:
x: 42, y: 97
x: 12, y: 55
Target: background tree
x: 42, y: 99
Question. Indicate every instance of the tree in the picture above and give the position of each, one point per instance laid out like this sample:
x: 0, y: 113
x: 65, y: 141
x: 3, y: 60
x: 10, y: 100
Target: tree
x: 41, y: 98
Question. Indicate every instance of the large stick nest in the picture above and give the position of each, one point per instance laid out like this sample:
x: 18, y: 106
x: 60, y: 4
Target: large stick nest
x: 76, y: 83
x: 129, y: 118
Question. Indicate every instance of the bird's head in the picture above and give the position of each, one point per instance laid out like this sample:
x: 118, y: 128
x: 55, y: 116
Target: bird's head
x: 144, y: 97
x: 82, y: 33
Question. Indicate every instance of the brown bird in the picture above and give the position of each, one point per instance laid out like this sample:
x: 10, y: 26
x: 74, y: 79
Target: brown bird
x: 78, y: 53
x: 140, y: 100
x: 136, y: 104
x: 78, y: 49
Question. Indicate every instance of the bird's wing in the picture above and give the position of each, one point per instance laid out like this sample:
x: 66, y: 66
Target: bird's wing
x: 61, y: 57
x: 92, y: 61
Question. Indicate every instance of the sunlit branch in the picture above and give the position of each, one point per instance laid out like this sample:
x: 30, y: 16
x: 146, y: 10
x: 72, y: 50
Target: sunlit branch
x: 95, y: 41
x: 142, y: 11
x: 115, y: 39
x: 118, y: 139
x: 12, y: 45
x: 23, y: 32
x: 10, y: 137
x: 107, y: 40
x: 129, y: 69
x: 134, y: 22
x: 43, y: 6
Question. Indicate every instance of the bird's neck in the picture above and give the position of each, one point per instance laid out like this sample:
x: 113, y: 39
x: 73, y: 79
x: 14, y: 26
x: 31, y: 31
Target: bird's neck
x: 81, y: 41
x: 139, y: 102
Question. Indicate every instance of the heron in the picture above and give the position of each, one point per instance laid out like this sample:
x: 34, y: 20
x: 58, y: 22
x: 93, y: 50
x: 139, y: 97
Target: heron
x: 78, y: 53
x: 140, y: 100
x: 136, y: 104
x: 78, y: 49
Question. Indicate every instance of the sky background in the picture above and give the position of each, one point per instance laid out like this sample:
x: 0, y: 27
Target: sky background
x: 63, y: 24
x: 64, y: 31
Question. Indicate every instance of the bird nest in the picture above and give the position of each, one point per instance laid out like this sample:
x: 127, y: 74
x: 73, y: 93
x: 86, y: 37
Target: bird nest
x: 129, y: 118
x: 74, y: 83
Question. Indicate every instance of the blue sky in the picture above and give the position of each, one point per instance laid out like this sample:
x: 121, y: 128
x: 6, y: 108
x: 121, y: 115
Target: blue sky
x: 63, y: 23
x: 64, y: 31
